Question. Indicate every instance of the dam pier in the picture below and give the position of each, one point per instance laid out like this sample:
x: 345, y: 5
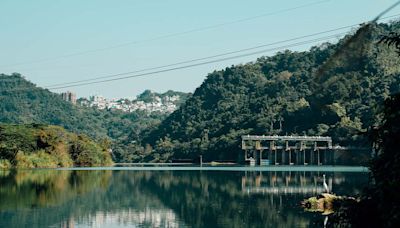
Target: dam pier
x: 287, y: 150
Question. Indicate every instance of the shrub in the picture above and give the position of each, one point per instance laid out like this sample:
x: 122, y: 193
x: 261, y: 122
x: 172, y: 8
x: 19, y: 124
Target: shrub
x: 5, y: 164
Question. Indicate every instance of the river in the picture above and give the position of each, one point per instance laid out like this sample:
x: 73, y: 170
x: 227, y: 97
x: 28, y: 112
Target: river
x: 165, y: 196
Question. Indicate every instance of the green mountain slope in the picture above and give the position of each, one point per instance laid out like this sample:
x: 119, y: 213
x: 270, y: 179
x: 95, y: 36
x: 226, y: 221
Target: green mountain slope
x: 22, y: 102
x: 281, y: 95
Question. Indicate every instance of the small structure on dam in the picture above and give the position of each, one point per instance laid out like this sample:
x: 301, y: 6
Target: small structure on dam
x: 287, y: 150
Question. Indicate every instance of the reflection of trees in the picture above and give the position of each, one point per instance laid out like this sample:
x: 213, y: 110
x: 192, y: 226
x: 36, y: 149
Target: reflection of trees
x: 199, y: 199
x: 44, y: 188
x: 209, y: 199
x: 215, y: 199
x: 57, y: 198
x: 31, y: 189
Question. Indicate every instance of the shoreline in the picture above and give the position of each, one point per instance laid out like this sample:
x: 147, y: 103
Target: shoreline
x: 141, y: 167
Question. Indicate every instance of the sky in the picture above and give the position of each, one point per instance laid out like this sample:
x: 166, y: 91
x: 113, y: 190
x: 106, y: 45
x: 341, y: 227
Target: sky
x: 55, y: 42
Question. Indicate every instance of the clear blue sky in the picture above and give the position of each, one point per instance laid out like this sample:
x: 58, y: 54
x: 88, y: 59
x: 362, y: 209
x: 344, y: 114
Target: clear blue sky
x: 35, y: 35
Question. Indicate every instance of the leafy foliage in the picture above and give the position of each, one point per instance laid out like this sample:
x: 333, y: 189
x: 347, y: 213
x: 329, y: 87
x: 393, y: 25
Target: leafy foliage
x: 287, y: 93
x: 386, y: 167
x: 21, y: 102
x: 393, y: 39
x: 43, y: 146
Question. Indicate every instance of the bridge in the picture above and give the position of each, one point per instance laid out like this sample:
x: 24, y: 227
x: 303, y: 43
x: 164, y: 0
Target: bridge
x: 287, y: 150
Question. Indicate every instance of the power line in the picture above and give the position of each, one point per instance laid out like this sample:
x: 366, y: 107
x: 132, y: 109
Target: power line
x: 87, y: 81
x: 386, y: 11
x: 170, y: 35
x: 196, y: 64
x: 356, y: 39
x: 201, y: 63
x: 199, y: 59
x: 212, y: 56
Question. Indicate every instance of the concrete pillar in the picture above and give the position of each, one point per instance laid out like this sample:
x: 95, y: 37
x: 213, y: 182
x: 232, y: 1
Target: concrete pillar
x: 272, y: 148
x: 313, y: 152
x: 258, y: 145
x: 287, y: 150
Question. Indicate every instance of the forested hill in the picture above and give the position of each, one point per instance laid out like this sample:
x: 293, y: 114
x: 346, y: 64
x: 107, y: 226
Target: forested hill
x: 281, y: 95
x: 22, y: 102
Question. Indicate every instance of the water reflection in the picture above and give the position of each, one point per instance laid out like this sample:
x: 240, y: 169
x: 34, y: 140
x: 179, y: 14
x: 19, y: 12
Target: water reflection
x: 164, y: 198
x: 304, y: 183
x: 127, y: 218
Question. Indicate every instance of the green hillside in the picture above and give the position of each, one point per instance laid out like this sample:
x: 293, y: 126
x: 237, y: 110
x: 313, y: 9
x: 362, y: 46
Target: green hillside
x: 288, y: 93
x: 22, y: 102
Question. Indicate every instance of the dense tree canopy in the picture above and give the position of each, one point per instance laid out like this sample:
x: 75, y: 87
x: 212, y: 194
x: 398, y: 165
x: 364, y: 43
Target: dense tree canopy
x: 43, y: 146
x: 21, y: 102
x: 288, y: 93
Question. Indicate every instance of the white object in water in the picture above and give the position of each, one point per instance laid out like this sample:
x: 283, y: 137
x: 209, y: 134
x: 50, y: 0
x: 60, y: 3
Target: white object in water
x: 326, y: 188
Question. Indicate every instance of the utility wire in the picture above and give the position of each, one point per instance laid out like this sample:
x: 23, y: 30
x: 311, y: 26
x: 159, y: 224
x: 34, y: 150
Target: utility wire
x: 202, y: 63
x: 212, y: 56
x: 170, y: 35
x: 385, y: 11
x: 199, y: 59
x: 355, y: 43
x: 196, y: 64
x: 87, y: 81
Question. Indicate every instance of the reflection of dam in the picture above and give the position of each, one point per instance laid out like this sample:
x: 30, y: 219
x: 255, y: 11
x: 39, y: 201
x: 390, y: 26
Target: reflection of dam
x: 147, y: 217
x: 285, y: 182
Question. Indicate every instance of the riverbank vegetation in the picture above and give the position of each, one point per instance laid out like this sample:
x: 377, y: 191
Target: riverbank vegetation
x: 46, y: 146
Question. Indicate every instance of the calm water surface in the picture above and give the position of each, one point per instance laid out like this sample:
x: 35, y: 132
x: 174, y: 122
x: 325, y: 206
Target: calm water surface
x: 168, y: 197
